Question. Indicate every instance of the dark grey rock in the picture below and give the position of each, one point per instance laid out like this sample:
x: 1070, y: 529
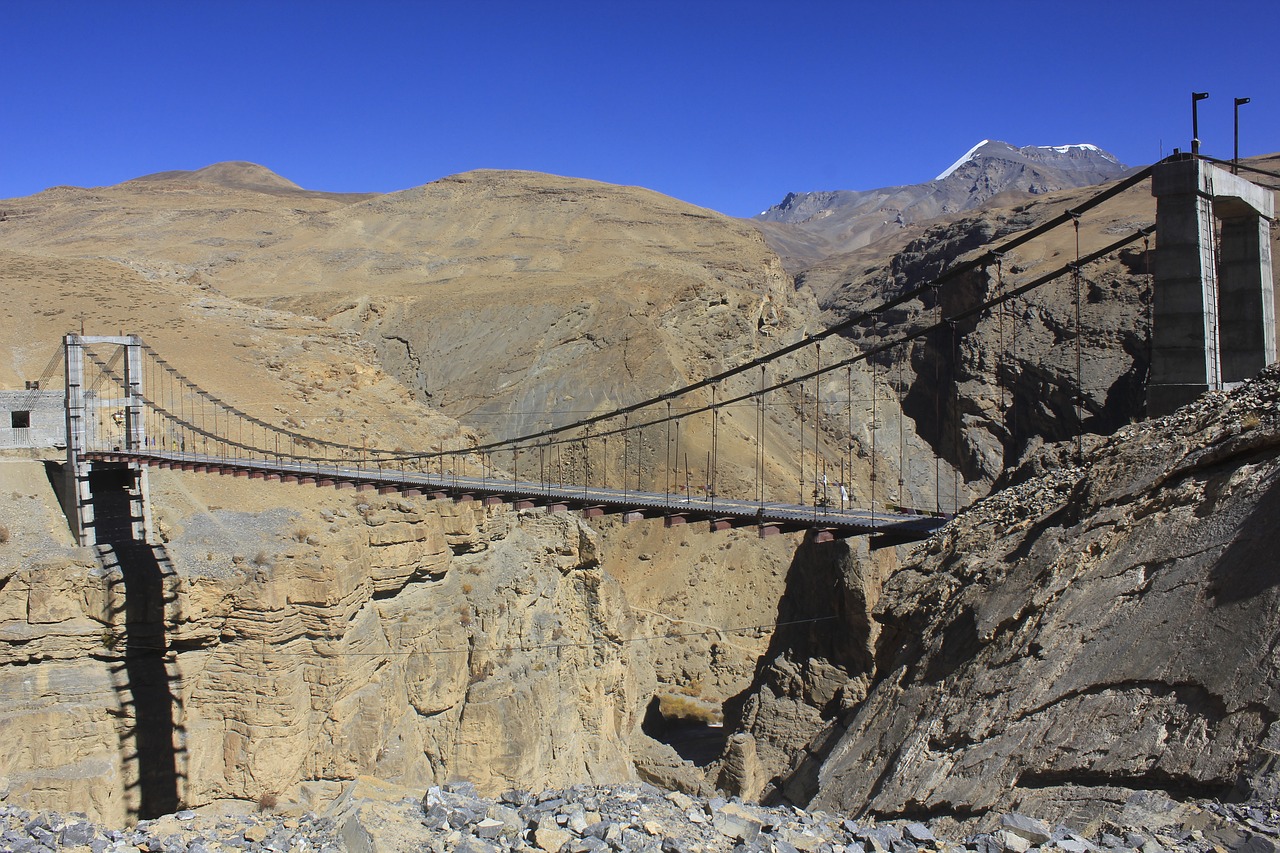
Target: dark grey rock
x: 278, y: 841
x: 983, y: 844
x: 173, y: 844
x: 1257, y: 844
x: 466, y: 789
x: 587, y: 845
x: 886, y: 835
x: 515, y: 797
x: 436, y: 816
x: 918, y: 833
x: 1034, y: 830
x: 76, y: 834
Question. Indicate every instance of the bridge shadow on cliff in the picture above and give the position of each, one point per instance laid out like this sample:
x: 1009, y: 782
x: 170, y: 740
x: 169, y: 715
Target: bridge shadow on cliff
x: 821, y: 629
x: 142, y: 667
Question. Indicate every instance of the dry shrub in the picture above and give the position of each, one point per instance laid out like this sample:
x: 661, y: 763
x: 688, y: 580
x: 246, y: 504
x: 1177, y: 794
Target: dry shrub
x: 4, y: 534
x: 480, y: 673
x: 692, y: 688
x: 677, y: 707
x: 267, y: 801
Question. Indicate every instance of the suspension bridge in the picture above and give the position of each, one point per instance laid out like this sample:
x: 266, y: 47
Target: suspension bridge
x: 127, y: 405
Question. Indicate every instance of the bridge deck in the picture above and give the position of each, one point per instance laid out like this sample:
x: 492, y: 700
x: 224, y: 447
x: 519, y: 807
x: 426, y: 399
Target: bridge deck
x: 769, y: 517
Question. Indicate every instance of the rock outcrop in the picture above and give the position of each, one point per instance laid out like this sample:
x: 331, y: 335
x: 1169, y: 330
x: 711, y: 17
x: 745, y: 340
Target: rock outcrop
x: 359, y: 634
x: 817, y: 667
x: 1082, y: 635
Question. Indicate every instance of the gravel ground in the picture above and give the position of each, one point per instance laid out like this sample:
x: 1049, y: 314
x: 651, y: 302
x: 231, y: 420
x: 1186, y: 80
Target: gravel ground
x: 634, y: 817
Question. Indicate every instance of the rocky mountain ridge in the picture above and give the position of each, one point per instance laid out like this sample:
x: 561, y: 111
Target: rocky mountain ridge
x: 806, y: 227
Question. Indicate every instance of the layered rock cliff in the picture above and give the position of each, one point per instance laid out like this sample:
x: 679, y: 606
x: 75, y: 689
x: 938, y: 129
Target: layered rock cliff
x: 314, y: 642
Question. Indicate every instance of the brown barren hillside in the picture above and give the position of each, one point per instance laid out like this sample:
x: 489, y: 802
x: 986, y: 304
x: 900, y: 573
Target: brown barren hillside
x: 512, y: 273
x: 319, y: 636
x: 509, y: 300
x: 490, y: 302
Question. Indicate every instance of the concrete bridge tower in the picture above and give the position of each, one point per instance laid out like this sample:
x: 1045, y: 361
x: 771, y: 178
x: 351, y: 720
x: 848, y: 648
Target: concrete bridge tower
x: 84, y: 430
x: 1214, y: 318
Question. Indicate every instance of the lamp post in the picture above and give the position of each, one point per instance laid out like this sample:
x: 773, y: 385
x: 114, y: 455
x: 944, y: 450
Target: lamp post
x: 1235, y: 160
x: 1196, y: 98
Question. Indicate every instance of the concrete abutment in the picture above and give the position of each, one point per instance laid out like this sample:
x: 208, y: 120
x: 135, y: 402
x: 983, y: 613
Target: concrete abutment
x: 1214, y: 318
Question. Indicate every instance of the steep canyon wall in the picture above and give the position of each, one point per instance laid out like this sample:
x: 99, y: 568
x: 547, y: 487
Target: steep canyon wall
x: 329, y: 637
x: 1085, y: 634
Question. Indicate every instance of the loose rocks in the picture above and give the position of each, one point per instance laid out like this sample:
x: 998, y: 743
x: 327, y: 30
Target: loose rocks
x: 627, y: 818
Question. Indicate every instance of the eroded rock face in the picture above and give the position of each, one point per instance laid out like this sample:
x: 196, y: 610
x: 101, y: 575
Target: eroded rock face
x: 817, y: 667
x: 58, y: 702
x: 410, y: 640
x: 57, y: 699
x: 500, y: 666
x: 1086, y: 634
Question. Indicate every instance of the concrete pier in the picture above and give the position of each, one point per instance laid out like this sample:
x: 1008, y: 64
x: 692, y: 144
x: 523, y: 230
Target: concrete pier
x: 1205, y: 296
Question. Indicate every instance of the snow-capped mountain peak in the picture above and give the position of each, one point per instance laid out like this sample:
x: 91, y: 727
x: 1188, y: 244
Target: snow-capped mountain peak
x: 1078, y: 156
x: 968, y: 155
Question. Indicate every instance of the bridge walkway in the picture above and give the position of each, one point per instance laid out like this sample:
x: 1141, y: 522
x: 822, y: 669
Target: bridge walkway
x: 769, y: 518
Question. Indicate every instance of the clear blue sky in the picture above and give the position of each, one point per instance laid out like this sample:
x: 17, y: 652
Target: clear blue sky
x: 728, y: 105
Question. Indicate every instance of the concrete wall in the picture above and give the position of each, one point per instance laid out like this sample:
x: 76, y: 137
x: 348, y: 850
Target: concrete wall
x: 1214, y: 318
x: 48, y: 426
